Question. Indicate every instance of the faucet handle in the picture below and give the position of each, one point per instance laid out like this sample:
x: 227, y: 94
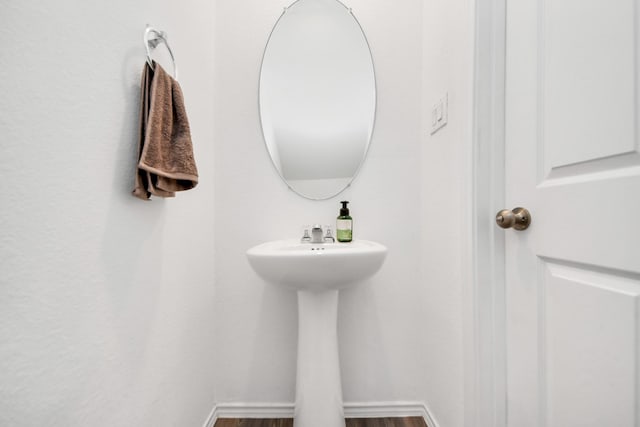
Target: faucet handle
x: 328, y: 237
x: 305, y: 237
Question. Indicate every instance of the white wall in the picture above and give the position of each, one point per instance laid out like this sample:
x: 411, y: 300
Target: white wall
x: 107, y: 309
x: 382, y: 322
x: 105, y: 300
x: 446, y: 192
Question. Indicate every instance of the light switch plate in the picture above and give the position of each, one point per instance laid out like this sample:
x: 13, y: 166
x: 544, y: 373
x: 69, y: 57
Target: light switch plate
x: 439, y: 114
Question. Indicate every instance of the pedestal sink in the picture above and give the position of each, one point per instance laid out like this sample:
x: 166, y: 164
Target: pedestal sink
x: 317, y: 272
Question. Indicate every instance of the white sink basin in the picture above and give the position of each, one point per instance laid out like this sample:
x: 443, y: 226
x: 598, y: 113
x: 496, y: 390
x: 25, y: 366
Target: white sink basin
x: 316, y: 267
x: 317, y: 272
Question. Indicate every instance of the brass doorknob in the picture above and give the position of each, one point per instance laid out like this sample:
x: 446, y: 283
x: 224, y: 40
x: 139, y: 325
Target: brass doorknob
x: 518, y: 218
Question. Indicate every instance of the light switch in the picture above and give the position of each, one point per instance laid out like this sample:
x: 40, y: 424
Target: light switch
x: 439, y: 114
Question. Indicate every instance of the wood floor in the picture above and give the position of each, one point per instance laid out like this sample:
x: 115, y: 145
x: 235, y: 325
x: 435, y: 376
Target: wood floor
x: 351, y: 422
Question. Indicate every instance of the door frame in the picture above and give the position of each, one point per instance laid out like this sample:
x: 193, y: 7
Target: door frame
x: 485, y: 320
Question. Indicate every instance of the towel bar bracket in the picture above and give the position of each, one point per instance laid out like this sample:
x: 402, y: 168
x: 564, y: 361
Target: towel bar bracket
x: 152, y: 38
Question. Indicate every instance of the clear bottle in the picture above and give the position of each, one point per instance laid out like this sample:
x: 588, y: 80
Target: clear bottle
x: 344, y: 224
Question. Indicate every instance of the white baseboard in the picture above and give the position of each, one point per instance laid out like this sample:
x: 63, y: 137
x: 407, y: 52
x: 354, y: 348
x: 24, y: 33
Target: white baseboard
x: 383, y: 409
x: 213, y: 417
x: 254, y: 410
x: 351, y: 410
x: 428, y: 417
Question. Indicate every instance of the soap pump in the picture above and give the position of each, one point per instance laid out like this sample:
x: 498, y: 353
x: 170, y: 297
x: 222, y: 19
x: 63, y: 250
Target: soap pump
x: 344, y: 224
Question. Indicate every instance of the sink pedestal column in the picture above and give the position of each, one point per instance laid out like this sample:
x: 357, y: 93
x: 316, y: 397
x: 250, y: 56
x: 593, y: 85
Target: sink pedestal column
x: 318, y: 385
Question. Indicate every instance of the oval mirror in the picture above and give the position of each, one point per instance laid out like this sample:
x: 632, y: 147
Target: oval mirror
x: 317, y: 97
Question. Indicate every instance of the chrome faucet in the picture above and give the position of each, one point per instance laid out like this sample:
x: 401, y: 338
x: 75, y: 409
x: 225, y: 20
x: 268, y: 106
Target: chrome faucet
x: 316, y: 234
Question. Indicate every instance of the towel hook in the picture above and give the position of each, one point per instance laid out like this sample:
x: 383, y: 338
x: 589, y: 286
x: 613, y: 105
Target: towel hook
x: 152, y: 38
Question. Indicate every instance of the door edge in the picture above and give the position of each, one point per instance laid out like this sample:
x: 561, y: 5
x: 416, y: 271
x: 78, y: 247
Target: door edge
x: 485, y: 359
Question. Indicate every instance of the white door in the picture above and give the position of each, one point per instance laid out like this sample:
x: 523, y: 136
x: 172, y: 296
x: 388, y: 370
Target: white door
x: 573, y: 159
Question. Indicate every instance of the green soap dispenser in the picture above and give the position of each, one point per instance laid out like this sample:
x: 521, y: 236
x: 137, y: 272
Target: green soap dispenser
x: 344, y: 224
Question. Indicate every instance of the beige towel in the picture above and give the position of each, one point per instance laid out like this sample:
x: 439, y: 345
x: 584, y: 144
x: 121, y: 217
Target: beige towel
x: 166, y: 163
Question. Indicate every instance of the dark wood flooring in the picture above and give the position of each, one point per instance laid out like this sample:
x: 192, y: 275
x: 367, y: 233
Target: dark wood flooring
x: 351, y: 422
